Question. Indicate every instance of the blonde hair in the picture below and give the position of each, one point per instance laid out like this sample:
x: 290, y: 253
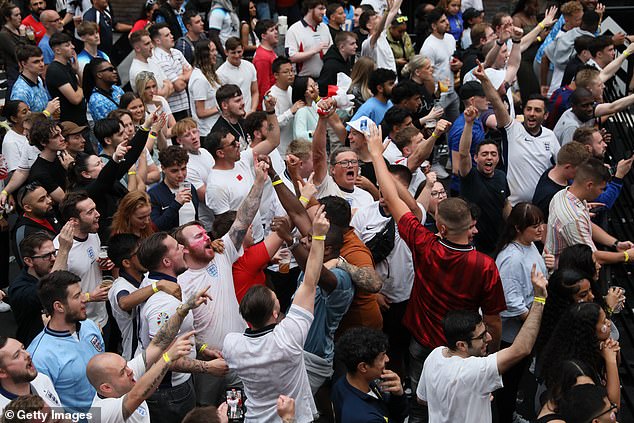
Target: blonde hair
x: 360, y: 75
x: 416, y: 62
x: 571, y: 7
x: 182, y: 126
x: 121, y: 223
x: 141, y: 82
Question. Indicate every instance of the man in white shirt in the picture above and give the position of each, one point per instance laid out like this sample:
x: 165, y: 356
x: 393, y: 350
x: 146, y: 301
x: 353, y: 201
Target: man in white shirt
x: 240, y: 72
x: 439, y: 47
x: 199, y: 165
x: 282, y: 90
x: 376, y: 45
x: 142, y: 45
x: 465, y: 362
x: 531, y: 148
x: 83, y: 258
x: 269, y: 357
x: 18, y: 375
x: 232, y: 176
x: 214, y: 320
x: 163, y: 257
x: 121, y: 394
x: 175, y: 67
x: 338, y: 176
x: 309, y: 39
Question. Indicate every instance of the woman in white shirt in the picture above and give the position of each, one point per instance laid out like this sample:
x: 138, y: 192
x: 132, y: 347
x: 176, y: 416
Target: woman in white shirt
x: 147, y: 88
x: 202, y: 86
x: 15, y: 143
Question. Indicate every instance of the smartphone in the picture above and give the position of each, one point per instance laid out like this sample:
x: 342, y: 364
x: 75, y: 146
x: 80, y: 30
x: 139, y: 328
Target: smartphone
x: 235, y: 404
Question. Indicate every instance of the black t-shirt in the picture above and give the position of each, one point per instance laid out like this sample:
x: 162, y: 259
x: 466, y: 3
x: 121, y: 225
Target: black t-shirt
x: 544, y: 192
x: 58, y: 75
x: 51, y: 175
x: 236, y: 129
x: 490, y: 195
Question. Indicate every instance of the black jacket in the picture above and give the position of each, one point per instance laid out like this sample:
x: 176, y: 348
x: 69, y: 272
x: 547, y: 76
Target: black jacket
x: 333, y: 64
x: 165, y: 208
x: 168, y: 13
x: 26, y: 307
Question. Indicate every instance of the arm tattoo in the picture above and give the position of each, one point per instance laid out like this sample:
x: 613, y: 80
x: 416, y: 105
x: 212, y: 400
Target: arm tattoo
x: 165, y: 336
x: 363, y: 277
x: 189, y: 365
x: 246, y: 212
x: 149, y: 390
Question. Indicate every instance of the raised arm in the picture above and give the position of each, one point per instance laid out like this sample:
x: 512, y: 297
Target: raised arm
x: 305, y: 294
x: 249, y: 206
x: 549, y: 20
x: 423, y: 149
x: 501, y: 114
x: 614, y: 107
x: 272, y: 141
x: 320, y: 156
x: 386, y: 20
x: 612, y: 67
x: 464, y: 150
x: 388, y: 187
x: 523, y: 344
x: 294, y: 208
x: 515, y: 57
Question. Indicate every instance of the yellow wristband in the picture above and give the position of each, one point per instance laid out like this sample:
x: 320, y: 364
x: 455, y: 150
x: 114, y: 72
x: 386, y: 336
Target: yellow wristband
x: 166, y: 358
x: 279, y: 181
x: 435, y: 135
x: 87, y: 296
x: 132, y: 172
x: 540, y: 300
x: 627, y: 256
x: 304, y: 199
x: 626, y: 53
x: 539, y: 39
x: 203, y: 347
x: 4, y: 191
x: 154, y: 287
x: 46, y: 113
x: 542, y: 26
x: 319, y: 237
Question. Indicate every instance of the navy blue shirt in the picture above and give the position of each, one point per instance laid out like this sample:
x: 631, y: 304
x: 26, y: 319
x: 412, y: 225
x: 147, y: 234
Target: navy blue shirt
x: 354, y: 406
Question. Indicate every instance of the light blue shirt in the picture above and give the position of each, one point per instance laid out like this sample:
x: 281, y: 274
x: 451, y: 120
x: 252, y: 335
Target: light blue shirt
x: 374, y: 109
x: 47, y: 51
x: 329, y: 310
x: 63, y: 357
x: 34, y: 95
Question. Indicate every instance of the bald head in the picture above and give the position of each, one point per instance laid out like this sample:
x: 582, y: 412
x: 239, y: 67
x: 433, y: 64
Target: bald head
x: 102, y: 369
x: 51, y: 21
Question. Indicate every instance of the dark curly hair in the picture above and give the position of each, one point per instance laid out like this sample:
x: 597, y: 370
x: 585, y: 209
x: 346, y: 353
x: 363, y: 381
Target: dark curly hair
x: 562, y: 287
x: 563, y: 380
x: 574, y: 338
x: 360, y: 345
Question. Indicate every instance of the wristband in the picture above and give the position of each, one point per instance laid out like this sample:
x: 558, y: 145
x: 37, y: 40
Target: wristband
x: 132, y: 172
x: 87, y: 296
x: 539, y: 39
x: 540, y: 300
x: 319, y: 237
x: 516, y: 41
x: 154, y: 287
x: 166, y: 358
x: 203, y: 347
x: 4, y: 191
x: 498, y: 42
x: 152, y: 136
x: 542, y: 26
x: 304, y: 199
x: 626, y: 53
x: 627, y: 256
x: 615, y: 244
x: 46, y: 113
x: 609, y: 311
x: 435, y: 135
x: 275, y: 183
x: 270, y: 112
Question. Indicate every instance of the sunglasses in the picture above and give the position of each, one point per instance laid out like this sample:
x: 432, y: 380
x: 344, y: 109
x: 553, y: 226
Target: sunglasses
x: 110, y: 69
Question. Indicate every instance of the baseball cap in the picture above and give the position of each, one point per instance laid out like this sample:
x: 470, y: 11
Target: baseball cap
x: 71, y: 128
x: 470, y: 89
x: 362, y: 124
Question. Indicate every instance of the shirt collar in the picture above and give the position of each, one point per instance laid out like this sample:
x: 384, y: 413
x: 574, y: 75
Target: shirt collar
x: 160, y: 275
x: 125, y: 275
x: 28, y: 81
x: 256, y: 333
x: 306, y: 24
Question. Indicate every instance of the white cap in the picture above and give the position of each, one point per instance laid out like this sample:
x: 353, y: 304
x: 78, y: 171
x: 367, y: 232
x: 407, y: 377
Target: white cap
x: 362, y: 125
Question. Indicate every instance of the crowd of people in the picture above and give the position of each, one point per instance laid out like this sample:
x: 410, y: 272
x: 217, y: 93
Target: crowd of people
x: 371, y: 227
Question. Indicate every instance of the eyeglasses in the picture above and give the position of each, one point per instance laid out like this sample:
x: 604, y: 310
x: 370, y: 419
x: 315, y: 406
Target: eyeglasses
x: 483, y: 336
x: 401, y: 19
x: 613, y: 407
x: 54, y: 20
x: 441, y: 193
x: 110, y: 69
x: 46, y: 256
x: 233, y: 143
x: 347, y: 163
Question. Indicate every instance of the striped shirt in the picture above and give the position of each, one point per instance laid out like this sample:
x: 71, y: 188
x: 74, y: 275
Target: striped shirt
x: 568, y: 223
x: 172, y: 64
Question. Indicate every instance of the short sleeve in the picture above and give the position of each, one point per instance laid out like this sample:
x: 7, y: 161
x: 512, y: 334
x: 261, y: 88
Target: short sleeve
x: 483, y: 373
x: 231, y: 252
x: 216, y: 17
x: 198, y: 89
x: 138, y: 366
x: 493, y: 301
x: 293, y: 330
x: 291, y: 44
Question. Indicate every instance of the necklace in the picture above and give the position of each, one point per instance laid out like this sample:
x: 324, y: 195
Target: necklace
x: 239, y: 132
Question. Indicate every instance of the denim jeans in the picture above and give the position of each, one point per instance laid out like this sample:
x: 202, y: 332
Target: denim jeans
x: 264, y: 10
x: 417, y: 356
x: 170, y: 405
